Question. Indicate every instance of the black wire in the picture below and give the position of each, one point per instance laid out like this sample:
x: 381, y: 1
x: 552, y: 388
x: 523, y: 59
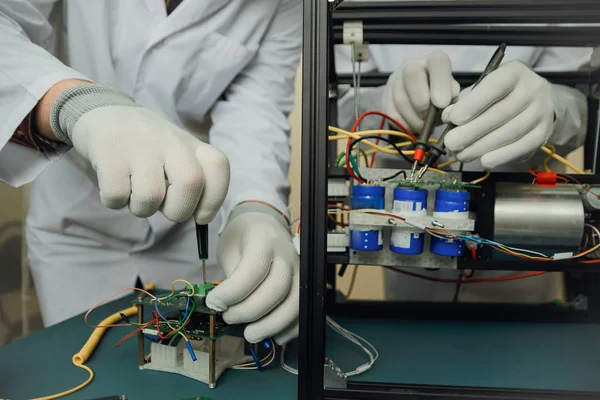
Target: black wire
x: 460, y: 169
x: 459, y: 283
x: 357, y: 141
x: 457, y: 288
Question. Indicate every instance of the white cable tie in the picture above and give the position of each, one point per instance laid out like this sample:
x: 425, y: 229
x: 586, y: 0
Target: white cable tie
x: 562, y: 256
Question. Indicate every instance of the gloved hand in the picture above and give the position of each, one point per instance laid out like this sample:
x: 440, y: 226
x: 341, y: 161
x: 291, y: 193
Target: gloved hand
x: 135, y: 152
x: 412, y: 88
x: 262, y: 269
x: 506, y: 117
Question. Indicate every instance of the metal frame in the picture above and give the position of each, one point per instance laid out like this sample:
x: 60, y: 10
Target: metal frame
x: 396, y: 23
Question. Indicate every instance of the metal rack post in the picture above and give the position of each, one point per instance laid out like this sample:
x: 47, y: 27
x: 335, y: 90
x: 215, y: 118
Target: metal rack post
x: 313, y: 236
x: 403, y: 22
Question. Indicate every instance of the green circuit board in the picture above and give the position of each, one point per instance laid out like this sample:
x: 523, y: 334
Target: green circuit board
x: 198, y: 327
x: 441, y: 184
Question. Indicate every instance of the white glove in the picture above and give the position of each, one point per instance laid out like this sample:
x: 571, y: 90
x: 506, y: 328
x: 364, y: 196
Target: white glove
x: 141, y: 159
x: 262, y: 269
x: 412, y: 88
x: 506, y: 117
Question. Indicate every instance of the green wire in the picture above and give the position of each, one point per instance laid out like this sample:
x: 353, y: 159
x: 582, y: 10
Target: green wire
x: 338, y: 160
x: 354, y: 164
x: 182, y: 325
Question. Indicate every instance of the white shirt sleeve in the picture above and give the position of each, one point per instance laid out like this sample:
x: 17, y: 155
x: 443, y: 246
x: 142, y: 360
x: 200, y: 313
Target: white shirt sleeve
x: 570, y: 105
x: 250, y: 123
x: 27, y: 71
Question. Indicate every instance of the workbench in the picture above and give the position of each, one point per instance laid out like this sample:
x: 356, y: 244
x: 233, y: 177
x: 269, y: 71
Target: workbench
x: 525, y: 355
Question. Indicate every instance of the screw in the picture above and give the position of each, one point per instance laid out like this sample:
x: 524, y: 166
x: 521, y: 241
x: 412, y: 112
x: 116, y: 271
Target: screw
x: 437, y: 224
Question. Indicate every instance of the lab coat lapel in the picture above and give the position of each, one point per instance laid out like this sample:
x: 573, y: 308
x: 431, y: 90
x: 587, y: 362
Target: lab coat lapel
x: 156, y: 7
x: 190, y: 12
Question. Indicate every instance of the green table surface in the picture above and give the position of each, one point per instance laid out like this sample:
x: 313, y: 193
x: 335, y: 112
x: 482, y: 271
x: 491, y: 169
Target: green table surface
x: 541, y: 356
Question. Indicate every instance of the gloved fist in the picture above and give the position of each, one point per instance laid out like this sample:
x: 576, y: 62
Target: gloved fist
x: 262, y: 285
x: 135, y: 152
x: 506, y: 117
x: 411, y: 89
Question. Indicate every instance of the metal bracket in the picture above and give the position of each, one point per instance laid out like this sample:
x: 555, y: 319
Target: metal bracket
x: 424, y: 221
x: 333, y: 376
x: 352, y: 32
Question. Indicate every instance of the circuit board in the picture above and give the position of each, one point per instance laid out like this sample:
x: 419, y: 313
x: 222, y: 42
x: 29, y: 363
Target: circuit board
x: 198, y: 327
x: 441, y: 184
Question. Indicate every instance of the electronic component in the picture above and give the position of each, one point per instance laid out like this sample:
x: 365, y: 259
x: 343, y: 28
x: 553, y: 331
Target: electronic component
x: 591, y: 200
x: 175, y: 359
x: 365, y: 237
x: 453, y: 204
x: 210, y: 346
x: 409, y: 202
x: 414, y: 222
x: 534, y: 216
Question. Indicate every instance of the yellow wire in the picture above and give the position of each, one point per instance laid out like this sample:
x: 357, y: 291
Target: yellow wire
x: 362, y: 153
x: 342, y: 134
x: 483, y: 178
x: 547, y: 159
x: 173, y: 289
x: 369, y: 132
x: 447, y: 163
x: 75, y: 389
x: 439, y: 171
x: 88, y: 348
x: 399, y: 144
x: 357, y: 135
x: 251, y: 364
x: 389, y: 146
x: 562, y: 160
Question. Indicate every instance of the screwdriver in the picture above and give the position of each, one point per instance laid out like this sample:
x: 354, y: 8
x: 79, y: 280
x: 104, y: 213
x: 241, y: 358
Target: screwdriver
x: 436, y: 151
x: 202, y: 240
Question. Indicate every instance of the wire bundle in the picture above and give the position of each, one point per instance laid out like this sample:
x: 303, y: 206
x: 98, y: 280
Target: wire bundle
x: 442, y: 234
x: 262, y: 363
x: 365, y: 346
x: 355, y: 127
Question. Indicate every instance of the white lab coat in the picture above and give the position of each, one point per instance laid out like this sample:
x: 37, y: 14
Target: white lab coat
x: 221, y: 69
x: 570, y: 134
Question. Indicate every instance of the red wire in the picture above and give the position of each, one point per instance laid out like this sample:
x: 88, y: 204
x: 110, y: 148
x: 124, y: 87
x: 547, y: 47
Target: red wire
x: 473, y: 252
x: 160, y: 335
x: 132, y: 333
x: 366, y: 114
x: 479, y: 280
x: 381, y: 125
x: 355, y: 126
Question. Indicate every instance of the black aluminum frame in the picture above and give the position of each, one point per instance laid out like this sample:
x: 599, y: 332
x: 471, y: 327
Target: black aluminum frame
x: 397, y: 23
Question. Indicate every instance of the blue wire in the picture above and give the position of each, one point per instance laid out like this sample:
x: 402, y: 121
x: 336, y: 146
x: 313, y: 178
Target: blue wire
x: 255, y: 357
x: 187, y: 307
x: 156, y: 307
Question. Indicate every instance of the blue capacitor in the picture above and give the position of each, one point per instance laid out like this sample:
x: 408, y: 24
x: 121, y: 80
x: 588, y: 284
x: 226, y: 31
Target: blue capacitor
x: 450, y: 204
x: 367, y: 238
x: 408, y: 202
